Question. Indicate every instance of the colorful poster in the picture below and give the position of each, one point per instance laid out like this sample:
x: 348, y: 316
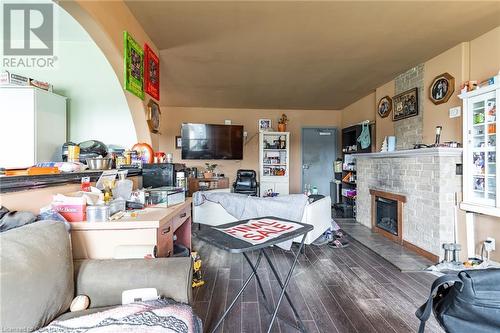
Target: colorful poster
x: 260, y: 231
x: 151, y: 73
x: 134, y: 66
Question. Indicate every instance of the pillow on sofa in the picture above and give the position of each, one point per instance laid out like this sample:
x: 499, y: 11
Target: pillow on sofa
x: 36, y: 280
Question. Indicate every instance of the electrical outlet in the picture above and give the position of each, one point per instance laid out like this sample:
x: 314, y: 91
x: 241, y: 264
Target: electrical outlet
x: 455, y: 112
x: 489, y: 244
x: 245, y: 134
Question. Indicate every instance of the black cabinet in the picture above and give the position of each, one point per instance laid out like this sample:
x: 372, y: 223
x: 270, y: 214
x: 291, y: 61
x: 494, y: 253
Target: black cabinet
x: 350, y: 147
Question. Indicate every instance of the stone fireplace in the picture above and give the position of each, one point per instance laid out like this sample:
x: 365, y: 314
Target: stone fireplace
x: 424, y: 183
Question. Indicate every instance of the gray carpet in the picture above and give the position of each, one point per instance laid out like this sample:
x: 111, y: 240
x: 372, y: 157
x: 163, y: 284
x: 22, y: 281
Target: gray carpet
x: 404, y: 259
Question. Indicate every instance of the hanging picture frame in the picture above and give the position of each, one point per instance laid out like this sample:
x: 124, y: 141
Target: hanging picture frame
x: 133, y: 60
x: 441, y: 88
x: 405, y: 105
x: 153, y: 116
x: 265, y: 125
x: 384, y: 107
x: 151, y: 73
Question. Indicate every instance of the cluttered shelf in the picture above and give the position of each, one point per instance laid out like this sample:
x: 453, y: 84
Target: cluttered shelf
x: 21, y: 183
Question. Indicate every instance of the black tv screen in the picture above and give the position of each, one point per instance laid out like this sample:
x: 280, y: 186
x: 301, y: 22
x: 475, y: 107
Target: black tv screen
x: 212, y: 142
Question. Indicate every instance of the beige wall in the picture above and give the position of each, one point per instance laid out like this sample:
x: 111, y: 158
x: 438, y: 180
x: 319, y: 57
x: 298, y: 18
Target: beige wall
x: 358, y: 111
x: 173, y: 117
x: 452, y: 62
x: 485, y: 55
x: 106, y: 21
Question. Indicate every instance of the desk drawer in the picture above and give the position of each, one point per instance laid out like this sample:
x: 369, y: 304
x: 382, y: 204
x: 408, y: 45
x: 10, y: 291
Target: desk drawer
x: 165, y: 240
x: 182, y: 216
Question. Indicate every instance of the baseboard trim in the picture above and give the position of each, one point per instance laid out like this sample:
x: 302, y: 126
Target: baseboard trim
x: 426, y: 254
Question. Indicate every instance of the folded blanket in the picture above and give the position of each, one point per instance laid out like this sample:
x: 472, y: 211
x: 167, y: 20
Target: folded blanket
x: 243, y: 207
x: 152, y: 316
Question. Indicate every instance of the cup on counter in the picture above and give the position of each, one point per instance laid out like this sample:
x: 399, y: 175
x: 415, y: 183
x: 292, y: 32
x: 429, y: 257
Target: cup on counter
x: 170, y: 158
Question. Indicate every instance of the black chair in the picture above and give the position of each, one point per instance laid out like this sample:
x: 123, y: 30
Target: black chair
x: 246, y: 182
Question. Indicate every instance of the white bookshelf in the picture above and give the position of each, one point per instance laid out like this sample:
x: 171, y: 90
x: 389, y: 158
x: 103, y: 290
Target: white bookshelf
x: 274, y: 159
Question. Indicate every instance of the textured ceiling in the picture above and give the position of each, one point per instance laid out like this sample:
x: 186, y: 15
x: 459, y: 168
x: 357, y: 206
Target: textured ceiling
x: 298, y: 55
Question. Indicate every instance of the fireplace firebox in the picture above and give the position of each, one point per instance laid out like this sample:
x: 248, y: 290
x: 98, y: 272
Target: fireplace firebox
x: 387, y: 214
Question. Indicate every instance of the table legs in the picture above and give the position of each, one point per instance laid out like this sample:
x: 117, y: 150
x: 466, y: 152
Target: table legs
x: 283, y: 286
x: 247, y: 281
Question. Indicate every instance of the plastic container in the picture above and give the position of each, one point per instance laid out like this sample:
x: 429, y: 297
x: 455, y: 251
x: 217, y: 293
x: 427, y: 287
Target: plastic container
x: 98, y: 213
x: 117, y: 205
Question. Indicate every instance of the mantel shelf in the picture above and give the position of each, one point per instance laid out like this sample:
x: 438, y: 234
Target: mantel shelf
x: 440, y: 152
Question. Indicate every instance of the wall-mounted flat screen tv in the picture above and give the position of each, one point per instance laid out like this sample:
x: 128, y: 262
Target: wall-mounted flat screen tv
x: 212, y: 142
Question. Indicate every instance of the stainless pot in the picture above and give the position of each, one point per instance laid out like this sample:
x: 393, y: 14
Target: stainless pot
x: 99, y: 163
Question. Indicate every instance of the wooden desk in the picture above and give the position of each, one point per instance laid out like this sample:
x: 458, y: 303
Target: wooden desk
x: 152, y: 226
x: 197, y: 184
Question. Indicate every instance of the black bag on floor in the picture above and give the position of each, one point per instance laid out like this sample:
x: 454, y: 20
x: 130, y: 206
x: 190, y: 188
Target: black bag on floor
x: 469, y: 302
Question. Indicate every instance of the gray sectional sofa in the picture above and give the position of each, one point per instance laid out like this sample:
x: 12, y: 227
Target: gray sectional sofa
x: 39, y: 279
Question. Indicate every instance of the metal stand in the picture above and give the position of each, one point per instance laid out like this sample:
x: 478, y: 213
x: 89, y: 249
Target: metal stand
x: 300, y: 325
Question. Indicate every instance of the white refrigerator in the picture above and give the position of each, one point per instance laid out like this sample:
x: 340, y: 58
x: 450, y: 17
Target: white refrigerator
x: 32, y: 126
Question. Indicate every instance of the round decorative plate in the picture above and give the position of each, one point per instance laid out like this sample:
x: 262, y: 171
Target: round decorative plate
x: 384, y: 107
x: 154, y: 116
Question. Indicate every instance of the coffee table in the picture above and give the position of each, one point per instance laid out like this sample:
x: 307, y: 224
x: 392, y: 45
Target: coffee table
x: 234, y: 245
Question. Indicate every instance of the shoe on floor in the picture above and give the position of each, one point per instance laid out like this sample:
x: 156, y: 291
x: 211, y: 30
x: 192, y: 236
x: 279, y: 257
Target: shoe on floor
x: 323, y: 239
x: 338, y: 243
x: 339, y: 233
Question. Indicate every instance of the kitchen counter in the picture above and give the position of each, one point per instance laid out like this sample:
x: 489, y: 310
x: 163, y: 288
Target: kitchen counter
x: 150, y: 217
x: 22, y: 183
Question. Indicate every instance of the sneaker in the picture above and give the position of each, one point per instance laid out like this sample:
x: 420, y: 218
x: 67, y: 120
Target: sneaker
x: 323, y: 239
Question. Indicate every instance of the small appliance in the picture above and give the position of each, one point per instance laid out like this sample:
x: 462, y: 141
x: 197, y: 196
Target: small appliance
x: 162, y: 174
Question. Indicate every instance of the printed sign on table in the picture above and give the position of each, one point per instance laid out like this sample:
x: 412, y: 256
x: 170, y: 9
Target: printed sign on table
x: 260, y: 231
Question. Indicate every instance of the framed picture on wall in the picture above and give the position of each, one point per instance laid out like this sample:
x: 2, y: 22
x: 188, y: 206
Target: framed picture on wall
x: 153, y: 116
x: 384, y: 107
x: 134, y: 66
x: 178, y: 142
x: 405, y: 105
x: 441, y: 88
x: 151, y: 73
x: 265, y: 125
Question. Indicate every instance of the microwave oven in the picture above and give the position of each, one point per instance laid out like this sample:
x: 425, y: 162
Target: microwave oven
x: 163, y: 174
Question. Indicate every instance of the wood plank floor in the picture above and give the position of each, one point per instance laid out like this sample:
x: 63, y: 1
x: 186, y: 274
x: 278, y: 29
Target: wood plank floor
x: 335, y: 290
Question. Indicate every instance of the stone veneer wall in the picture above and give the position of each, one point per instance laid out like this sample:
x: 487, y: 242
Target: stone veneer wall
x: 429, y: 184
x: 410, y: 130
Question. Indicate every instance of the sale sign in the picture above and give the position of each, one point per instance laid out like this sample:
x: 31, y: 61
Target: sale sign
x: 260, y: 231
